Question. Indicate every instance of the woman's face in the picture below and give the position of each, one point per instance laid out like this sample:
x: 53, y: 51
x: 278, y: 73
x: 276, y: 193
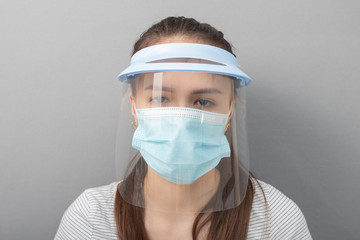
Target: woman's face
x: 199, y: 90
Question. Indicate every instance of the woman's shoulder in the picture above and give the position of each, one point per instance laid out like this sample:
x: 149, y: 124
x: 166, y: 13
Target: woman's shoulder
x: 102, y: 194
x: 90, y: 215
x: 275, y: 215
x: 98, y: 199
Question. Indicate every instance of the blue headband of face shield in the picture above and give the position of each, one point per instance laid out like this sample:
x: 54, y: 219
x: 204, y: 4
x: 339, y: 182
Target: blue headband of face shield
x: 153, y: 59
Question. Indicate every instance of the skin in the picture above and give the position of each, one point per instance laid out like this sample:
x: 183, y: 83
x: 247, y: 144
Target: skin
x: 179, y: 203
x: 198, y: 90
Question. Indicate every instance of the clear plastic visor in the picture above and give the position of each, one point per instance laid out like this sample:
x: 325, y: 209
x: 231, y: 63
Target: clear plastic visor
x: 182, y: 142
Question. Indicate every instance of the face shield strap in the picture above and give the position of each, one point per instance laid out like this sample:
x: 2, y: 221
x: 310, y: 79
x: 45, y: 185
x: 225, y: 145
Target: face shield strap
x: 162, y: 57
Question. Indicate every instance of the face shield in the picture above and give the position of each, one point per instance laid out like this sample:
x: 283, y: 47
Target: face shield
x: 182, y: 141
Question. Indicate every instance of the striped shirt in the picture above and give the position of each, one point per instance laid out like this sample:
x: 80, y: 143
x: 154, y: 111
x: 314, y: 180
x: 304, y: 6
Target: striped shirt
x: 91, y: 216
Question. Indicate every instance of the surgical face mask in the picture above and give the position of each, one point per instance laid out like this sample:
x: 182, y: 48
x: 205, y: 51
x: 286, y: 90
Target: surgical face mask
x: 181, y: 144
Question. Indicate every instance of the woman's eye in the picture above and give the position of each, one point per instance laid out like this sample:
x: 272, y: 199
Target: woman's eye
x: 203, y: 103
x: 159, y: 100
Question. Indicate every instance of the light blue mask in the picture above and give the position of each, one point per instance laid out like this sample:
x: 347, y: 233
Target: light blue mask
x: 181, y: 144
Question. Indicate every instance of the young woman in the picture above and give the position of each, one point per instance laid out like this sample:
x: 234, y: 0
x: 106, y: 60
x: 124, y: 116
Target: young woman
x: 187, y: 175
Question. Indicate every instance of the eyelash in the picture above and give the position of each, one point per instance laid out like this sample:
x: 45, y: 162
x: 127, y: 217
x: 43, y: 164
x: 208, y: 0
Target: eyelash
x: 155, y: 99
x: 203, y: 103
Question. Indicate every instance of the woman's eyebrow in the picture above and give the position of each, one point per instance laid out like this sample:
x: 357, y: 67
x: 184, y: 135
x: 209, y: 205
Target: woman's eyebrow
x: 159, y: 87
x: 169, y: 89
x: 206, y: 90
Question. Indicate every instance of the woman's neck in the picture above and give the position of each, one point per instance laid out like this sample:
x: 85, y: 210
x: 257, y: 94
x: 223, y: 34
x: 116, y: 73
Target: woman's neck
x: 165, y: 196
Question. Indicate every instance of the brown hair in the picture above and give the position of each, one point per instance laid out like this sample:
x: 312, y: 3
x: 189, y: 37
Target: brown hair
x: 227, y: 224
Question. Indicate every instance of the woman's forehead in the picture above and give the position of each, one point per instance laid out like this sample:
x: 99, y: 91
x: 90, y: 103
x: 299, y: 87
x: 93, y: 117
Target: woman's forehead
x: 190, y: 80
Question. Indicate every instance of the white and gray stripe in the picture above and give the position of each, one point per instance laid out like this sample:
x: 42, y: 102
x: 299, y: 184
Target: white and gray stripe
x: 90, y: 216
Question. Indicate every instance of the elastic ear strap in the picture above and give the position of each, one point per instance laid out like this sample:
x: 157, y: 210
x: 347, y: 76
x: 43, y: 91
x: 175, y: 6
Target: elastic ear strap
x: 228, y: 115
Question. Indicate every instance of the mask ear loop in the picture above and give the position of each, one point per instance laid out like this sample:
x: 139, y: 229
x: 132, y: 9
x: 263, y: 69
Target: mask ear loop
x: 134, y: 124
x: 229, y: 115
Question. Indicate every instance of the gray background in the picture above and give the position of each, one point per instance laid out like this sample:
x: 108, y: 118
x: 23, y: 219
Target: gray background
x: 59, y: 101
